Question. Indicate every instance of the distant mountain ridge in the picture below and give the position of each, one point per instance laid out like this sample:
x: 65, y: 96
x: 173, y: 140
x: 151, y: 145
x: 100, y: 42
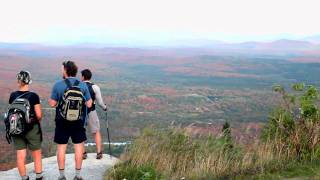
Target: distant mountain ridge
x: 313, y: 39
x: 284, y: 44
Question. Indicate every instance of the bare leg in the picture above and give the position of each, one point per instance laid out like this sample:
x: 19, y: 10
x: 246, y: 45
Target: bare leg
x: 21, y: 158
x: 78, y: 150
x: 61, y: 155
x: 97, y: 136
x: 37, y: 160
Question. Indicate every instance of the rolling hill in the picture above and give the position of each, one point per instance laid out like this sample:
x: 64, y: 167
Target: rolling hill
x: 162, y: 86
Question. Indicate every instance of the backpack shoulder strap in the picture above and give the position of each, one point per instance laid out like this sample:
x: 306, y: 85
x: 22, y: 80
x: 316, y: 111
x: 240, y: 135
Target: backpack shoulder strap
x: 20, y: 96
x: 68, y: 83
x: 76, y: 83
x: 90, y: 88
x: 8, y: 137
x: 89, y: 84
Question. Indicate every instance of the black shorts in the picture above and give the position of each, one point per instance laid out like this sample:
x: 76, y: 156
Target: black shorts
x: 64, y: 131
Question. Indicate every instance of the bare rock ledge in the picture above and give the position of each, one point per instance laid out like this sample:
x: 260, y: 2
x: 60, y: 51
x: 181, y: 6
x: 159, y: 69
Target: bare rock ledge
x: 92, y: 169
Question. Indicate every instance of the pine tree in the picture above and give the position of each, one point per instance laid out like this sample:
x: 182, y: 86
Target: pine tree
x: 226, y: 131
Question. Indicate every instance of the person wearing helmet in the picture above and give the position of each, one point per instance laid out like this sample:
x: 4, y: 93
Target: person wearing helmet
x: 32, y: 138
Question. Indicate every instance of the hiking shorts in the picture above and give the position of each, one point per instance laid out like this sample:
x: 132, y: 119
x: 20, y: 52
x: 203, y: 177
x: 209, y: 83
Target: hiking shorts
x: 63, y: 132
x: 93, y: 122
x: 32, y: 140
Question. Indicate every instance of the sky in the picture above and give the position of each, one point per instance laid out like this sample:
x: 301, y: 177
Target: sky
x: 161, y: 21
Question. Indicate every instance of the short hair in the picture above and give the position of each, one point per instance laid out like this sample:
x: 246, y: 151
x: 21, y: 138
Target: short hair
x: 24, y: 77
x: 86, y: 73
x: 70, y: 68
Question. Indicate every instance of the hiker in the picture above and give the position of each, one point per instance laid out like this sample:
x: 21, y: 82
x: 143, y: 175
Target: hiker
x: 93, y: 119
x: 70, y: 96
x: 23, y: 125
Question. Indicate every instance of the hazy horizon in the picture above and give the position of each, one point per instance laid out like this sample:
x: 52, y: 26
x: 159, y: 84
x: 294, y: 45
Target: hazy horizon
x: 144, y: 22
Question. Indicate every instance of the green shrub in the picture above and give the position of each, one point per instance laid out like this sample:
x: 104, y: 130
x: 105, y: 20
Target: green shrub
x: 295, y: 125
x: 130, y: 172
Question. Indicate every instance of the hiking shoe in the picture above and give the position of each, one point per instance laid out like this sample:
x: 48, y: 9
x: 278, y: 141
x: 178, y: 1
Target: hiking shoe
x: 62, y: 178
x: 99, y: 155
x: 85, y: 155
x: 27, y: 178
x: 77, y: 178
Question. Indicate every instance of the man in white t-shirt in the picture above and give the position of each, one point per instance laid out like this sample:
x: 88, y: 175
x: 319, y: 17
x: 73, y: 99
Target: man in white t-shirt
x: 93, y: 119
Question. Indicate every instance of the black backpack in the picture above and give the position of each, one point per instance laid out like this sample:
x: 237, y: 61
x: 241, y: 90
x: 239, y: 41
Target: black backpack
x: 17, y: 117
x: 72, y: 103
x: 93, y: 96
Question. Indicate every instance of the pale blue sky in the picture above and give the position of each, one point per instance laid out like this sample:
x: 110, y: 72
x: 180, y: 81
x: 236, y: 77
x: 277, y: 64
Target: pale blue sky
x: 157, y: 22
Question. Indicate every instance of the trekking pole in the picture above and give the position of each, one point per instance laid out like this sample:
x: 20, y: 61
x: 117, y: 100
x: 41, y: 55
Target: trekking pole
x: 108, y: 134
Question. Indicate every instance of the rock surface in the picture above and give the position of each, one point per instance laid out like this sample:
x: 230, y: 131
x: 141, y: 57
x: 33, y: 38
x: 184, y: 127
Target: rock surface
x: 92, y: 169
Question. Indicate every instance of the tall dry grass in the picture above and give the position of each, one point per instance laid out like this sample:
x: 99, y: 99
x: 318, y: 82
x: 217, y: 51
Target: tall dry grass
x: 176, y: 154
x: 292, y: 134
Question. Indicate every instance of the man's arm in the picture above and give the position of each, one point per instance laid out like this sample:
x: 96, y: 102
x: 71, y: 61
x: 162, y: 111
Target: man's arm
x: 99, y: 98
x: 52, y: 103
x: 37, y: 110
x: 89, y: 103
x: 37, y: 107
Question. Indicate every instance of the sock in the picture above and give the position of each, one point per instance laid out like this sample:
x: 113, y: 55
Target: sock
x: 61, y: 171
x: 38, y: 175
x: 78, y: 172
x: 24, y: 177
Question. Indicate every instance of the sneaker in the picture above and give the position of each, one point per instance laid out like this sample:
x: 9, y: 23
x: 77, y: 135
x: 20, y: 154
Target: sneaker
x: 77, y: 178
x: 99, y: 155
x: 62, y: 178
x: 85, y: 155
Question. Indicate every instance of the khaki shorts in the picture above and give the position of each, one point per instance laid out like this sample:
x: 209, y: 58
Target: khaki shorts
x: 93, y: 122
x: 32, y: 140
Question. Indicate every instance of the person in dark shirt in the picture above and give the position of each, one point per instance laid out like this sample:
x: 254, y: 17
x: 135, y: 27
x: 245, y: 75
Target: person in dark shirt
x: 33, y: 138
x: 64, y: 129
x: 93, y: 119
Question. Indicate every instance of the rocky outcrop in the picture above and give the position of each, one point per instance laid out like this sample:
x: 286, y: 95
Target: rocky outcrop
x: 92, y: 169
